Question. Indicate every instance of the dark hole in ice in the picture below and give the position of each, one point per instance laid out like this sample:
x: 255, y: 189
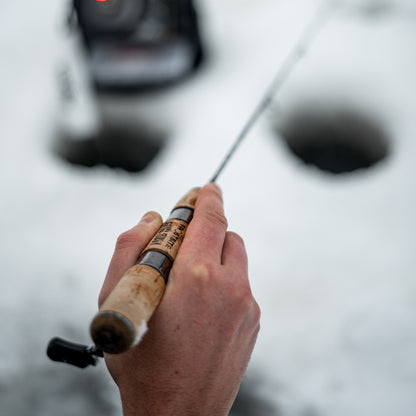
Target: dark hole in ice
x: 250, y: 402
x: 374, y: 9
x: 129, y: 146
x: 334, y: 140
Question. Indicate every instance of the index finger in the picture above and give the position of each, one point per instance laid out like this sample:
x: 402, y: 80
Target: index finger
x: 206, y: 232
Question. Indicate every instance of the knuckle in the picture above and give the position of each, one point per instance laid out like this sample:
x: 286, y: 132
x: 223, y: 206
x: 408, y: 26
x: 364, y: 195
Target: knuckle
x: 256, y: 312
x: 126, y: 240
x: 203, y: 272
x: 242, y: 298
x: 196, y: 271
x: 245, y: 302
x: 216, y: 218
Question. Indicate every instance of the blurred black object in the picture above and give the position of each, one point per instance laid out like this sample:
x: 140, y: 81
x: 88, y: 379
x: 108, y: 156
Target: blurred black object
x: 138, y: 44
x: 71, y: 353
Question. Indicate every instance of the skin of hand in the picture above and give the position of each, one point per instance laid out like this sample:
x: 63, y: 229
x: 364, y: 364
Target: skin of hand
x: 200, y: 339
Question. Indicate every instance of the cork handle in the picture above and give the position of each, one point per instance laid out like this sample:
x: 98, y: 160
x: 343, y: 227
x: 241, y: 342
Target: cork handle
x: 122, y: 319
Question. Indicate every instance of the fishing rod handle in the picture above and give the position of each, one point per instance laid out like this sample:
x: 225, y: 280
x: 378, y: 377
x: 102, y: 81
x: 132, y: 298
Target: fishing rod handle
x: 122, y: 319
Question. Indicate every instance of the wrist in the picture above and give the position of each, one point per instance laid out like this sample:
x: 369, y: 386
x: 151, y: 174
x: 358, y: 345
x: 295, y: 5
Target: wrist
x: 161, y: 405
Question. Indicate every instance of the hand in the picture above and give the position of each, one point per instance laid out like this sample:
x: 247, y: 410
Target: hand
x: 194, y: 355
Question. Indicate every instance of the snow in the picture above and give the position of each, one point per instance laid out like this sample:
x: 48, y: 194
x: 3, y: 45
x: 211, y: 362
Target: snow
x: 331, y: 257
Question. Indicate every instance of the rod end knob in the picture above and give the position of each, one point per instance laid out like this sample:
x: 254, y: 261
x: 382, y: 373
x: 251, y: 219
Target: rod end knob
x: 112, y: 332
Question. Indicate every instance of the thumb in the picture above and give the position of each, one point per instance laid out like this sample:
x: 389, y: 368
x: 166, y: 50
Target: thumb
x: 128, y: 248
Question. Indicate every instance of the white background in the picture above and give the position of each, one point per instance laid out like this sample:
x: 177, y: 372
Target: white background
x: 331, y: 258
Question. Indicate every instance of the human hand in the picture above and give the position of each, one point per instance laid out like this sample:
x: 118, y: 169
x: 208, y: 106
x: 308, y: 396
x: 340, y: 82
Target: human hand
x: 193, y: 358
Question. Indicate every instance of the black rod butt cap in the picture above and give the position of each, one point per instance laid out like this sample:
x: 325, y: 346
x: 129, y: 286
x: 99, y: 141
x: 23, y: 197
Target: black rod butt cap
x: 77, y: 355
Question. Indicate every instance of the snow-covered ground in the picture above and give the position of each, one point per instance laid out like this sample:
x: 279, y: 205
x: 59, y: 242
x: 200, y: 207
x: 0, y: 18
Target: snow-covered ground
x: 331, y: 257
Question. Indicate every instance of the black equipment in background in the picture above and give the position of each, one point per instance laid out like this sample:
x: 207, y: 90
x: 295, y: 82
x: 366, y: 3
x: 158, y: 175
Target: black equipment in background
x: 134, y: 44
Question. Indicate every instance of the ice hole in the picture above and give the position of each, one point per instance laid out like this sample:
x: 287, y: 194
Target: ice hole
x: 129, y: 146
x: 251, y: 401
x: 335, y: 140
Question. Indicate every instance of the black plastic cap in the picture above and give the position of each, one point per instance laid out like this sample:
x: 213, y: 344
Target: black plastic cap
x: 71, y: 353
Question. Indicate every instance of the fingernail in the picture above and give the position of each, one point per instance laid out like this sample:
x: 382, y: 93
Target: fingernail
x: 216, y: 187
x: 147, y: 218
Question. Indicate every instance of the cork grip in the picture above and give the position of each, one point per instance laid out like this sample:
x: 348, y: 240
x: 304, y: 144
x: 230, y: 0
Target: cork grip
x: 122, y: 319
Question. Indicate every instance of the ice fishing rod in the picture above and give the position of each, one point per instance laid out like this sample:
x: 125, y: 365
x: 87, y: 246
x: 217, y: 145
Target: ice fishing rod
x: 122, y: 319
